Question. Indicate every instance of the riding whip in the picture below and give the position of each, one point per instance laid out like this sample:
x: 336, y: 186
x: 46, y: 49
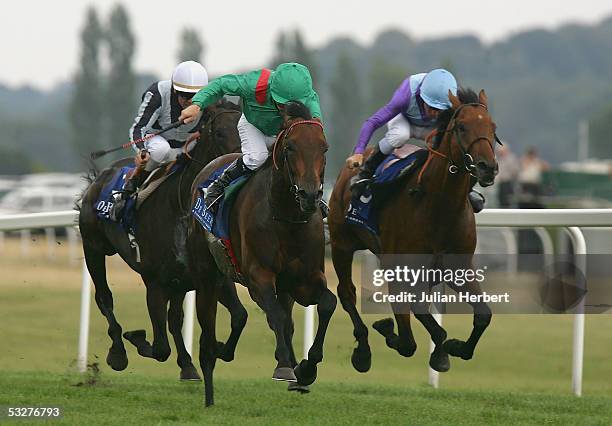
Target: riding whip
x: 97, y: 154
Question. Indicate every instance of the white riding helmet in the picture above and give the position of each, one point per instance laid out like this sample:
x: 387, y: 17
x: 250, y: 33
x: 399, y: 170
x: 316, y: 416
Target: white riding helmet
x: 189, y: 76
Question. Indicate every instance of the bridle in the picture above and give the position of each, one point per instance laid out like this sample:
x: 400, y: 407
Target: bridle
x: 295, y: 190
x: 293, y: 187
x: 468, y: 165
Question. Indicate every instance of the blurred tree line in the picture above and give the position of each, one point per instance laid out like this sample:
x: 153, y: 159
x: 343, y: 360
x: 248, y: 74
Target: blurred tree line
x: 540, y: 84
x: 92, y: 112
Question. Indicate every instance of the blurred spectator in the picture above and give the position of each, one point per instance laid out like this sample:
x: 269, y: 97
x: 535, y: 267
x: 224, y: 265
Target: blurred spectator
x: 508, y: 172
x: 530, y: 179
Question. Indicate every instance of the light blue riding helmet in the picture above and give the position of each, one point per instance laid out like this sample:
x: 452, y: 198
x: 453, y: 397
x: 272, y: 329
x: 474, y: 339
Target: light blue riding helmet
x: 435, y: 87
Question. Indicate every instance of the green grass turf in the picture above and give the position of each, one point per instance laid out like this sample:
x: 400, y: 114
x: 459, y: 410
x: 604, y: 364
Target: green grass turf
x: 137, y: 399
x: 521, y: 371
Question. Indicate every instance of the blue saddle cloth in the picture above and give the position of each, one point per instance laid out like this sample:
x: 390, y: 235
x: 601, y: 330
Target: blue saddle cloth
x: 361, y: 211
x: 105, y: 200
x: 219, y: 224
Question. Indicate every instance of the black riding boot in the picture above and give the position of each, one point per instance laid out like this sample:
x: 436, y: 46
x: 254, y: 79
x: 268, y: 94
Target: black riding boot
x: 217, y: 188
x: 360, y: 181
x: 477, y: 200
x: 122, y: 197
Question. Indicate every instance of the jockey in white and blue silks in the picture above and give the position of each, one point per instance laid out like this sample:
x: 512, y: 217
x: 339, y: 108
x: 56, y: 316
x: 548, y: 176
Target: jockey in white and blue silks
x: 410, y: 114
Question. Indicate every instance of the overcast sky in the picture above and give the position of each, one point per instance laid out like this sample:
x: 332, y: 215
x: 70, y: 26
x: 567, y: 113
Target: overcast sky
x: 40, y: 40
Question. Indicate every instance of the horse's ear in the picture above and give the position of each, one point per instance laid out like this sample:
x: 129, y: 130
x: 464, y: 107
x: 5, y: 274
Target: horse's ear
x: 482, y: 97
x: 455, y: 102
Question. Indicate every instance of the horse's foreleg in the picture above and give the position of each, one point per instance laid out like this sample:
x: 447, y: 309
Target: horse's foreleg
x: 157, y: 303
x: 175, y: 325
x: 343, y: 260
x: 96, y: 264
x: 229, y: 298
x: 206, y: 307
x: 263, y: 292
x: 482, y: 319
x: 287, y: 303
x: 306, y: 371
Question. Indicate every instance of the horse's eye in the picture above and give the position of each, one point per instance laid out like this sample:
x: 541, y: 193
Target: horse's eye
x: 461, y: 127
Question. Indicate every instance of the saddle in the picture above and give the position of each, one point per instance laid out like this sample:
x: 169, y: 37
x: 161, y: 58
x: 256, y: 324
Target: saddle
x: 389, y: 177
x: 217, y: 226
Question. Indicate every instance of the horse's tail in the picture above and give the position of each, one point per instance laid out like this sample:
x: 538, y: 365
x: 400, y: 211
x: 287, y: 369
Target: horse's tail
x: 89, y: 177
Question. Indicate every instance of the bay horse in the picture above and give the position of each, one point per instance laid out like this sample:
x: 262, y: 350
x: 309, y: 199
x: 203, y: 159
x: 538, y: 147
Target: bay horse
x: 276, y: 233
x: 161, y: 238
x: 429, y: 214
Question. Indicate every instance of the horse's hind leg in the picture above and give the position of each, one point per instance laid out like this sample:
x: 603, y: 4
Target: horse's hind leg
x: 343, y: 260
x: 206, y: 308
x: 157, y: 303
x: 482, y: 319
x: 229, y: 298
x: 96, y: 264
x: 175, y: 324
x: 403, y: 342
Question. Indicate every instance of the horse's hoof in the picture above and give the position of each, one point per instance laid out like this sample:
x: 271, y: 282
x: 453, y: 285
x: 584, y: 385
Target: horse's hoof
x: 223, y: 354
x: 406, y: 349
x: 305, y: 372
x: 384, y: 326
x: 439, y: 361
x: 138, y: 338
x: 117, y: 359
x: 190, y: 374
x: 285, y: 374
x: 362, y: 359
x: 458, y: 348
x: 296, y: 387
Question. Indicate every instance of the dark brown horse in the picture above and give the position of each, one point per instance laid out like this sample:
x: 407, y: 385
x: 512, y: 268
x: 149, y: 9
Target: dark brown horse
x: 435, y: 219
x: 276, y: 231
x: 161, y: 237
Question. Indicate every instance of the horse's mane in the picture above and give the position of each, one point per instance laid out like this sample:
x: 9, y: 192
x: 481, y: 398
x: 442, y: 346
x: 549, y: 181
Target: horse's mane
x: 295, y: 109
x: 466, y: 96
x: 226, y: 104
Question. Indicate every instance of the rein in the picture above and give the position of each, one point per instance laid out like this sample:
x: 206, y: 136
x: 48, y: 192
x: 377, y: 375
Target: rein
x: 468, y: 161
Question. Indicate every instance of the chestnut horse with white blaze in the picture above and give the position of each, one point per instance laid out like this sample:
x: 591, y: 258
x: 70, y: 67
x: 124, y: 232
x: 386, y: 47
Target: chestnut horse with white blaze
x: 276, y: 233
x: 429, y: 214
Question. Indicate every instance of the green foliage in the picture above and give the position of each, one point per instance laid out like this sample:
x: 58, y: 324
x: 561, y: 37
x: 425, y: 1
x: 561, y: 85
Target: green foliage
x: 191, y: 47
x: 291, y: 47
x: 121, y: 97
x: 600, y: 134
x: 14, y: 162
x: 346, y: 112
x: 384, y: 79
x: 86, y: 104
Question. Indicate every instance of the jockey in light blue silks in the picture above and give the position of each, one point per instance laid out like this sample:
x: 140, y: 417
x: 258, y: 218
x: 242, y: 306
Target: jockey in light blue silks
x: 411, y: 113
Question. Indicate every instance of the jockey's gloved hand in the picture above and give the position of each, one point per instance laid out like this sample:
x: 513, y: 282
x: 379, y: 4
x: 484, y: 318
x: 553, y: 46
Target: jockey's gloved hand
x: 141, y: 158
x: 354, y: 161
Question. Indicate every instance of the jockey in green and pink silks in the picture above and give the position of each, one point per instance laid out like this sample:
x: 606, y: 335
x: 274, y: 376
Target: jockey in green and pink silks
x: 264, y: 93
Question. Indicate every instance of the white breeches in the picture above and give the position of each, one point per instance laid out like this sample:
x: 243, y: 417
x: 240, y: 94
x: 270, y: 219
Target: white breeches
x: 254, y: 144
x: 399, y: 132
